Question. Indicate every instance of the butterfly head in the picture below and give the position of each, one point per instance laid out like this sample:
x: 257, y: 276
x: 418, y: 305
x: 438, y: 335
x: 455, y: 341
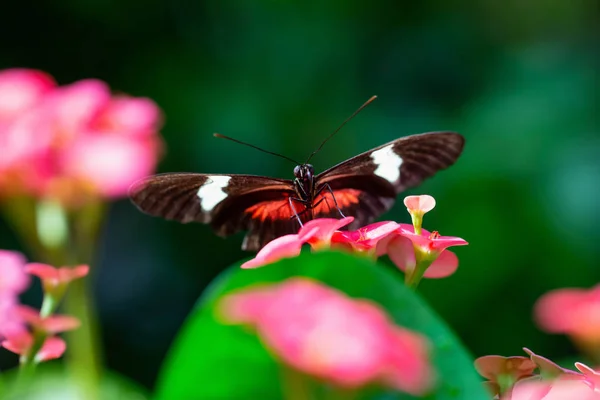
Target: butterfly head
x: 304, y: 172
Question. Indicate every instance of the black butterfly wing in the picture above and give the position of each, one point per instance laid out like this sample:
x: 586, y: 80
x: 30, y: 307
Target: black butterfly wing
x: 229, y: 203
x: 367, y: 185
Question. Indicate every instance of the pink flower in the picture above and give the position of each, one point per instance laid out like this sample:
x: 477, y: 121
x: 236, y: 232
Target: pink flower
x: 21, y: 89
x: 50, y: 325
x: 401, y: 251
x: 560, y: 389
x: 56, y: 276
x: 574, y: 312
x: 317, y: 232
x: 21, y: 343
x: 421, y: 255
x: 77, y: 142
x: 419, y: 204
x: 13, y: 281
x: 322, y: 332
x: 322, y: 233
x: 590, y: 376
x: 431, y: 243
x: 365, y: 239
x: 131, y: 116
x: 548, y: 368
x: 283, y: 247
x: 502, y: 372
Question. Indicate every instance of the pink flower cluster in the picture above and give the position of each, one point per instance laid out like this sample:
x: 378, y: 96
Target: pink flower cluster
x: 514, y: 378
x: 399, y: 241
x: 21, y: 326
x: 73, y: 142
x: 322, y: 332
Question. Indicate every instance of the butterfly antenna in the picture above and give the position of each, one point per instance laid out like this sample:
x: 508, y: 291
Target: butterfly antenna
x: 218, y: 135
x: 340, y: 127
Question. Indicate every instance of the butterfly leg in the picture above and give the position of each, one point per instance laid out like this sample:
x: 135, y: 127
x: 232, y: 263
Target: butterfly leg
x: 326, y: 186
x: 296, y: 215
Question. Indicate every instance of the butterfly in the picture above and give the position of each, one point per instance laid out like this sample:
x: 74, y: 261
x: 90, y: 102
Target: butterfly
x: 364, y: 187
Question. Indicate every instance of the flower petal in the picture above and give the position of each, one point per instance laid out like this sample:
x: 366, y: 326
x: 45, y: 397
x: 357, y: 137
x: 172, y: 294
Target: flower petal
x: 42, y: 271
x: 68, y: 274
x: 444, y: 265
x: 13, y: 278
x: 400, y: 251
x: 54, y: 347
x: 423, y: 203
x: 21, y: 89
x: 282, y: 247
x: 318, y: 232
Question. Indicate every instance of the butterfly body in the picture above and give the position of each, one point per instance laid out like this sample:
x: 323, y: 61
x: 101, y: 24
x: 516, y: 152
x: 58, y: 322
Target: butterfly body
x: 364, y: 187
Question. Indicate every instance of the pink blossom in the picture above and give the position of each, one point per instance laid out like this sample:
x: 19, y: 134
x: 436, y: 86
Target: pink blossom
x: 109, y: 163
x: 401, y: 251
x: 548, y: 368
x: 21, y: 343
x: 560, y: 389
x: 21, y: 89
x: 77, y: 142
x: 323, y: 233
x: 54, y: 277
x: 317, y: 232
x: 590, y: 376
x: 131, y: 116
x: 282, y: 247
x: 502, y: 372
x: 50, y: 325
x: 13, y: 281
x: 320, y: 331
x: 431, y: 242
x: 419, y: 204
x: 575, y: 312
x: 365, y: 238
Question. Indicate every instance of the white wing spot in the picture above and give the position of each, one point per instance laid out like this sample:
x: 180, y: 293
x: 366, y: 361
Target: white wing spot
x: 212, y: 193
x: 388, y: 163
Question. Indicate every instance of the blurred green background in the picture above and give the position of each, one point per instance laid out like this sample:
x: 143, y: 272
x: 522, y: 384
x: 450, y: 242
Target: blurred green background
x: 517, y: 78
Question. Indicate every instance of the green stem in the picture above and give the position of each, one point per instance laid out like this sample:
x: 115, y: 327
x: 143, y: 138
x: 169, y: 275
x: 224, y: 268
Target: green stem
x: 295, y: 385
x: 83, y: 358
x: 342, y: 394
x: 413, y: 278
x: 74, y: 244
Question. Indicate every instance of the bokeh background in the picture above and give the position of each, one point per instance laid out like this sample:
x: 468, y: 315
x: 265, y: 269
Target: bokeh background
x: 517, y: 78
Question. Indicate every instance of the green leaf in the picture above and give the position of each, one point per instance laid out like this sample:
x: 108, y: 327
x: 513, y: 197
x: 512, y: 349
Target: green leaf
x: 210, y: 360
x: 52, y: 381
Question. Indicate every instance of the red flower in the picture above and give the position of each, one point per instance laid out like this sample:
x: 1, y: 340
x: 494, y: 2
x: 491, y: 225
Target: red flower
x: 21, y: 343
x: 322, y: 332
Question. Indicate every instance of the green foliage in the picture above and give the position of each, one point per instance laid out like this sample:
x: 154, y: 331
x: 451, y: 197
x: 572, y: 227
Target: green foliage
x: 52, y: 380
x: 210, y: 360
